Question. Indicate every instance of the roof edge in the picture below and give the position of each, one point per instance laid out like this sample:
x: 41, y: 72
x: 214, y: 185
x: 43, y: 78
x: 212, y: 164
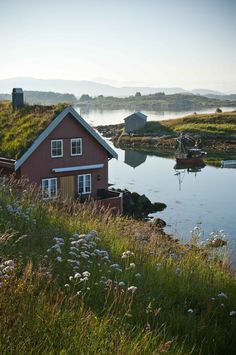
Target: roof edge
x: 53, y: 125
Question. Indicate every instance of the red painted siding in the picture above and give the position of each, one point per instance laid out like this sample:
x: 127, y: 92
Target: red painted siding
x: 40, y: 164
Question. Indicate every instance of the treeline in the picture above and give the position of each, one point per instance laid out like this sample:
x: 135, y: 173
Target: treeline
x: 158, y: 101
x: 43, y: 97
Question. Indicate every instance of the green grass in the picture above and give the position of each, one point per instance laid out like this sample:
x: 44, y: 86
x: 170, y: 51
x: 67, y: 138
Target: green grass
x: 40, y: 315
x: 217, y: 124
x: 20, y: 128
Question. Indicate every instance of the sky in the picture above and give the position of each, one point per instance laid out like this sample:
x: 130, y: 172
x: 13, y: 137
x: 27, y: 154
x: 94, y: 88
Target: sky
x: 181, y: 43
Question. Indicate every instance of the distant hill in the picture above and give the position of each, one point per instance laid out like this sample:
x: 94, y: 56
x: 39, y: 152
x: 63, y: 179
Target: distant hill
x: 92, y: 88
x: 156, y: 102
x: 43, y: 97
x: 206, y: 92
x: 231, y: 97
x: 79, y: 87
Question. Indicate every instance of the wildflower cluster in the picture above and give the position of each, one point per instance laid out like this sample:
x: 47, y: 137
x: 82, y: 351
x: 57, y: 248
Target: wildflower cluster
x: 6, y: 270
x: 85, y: 260
x: 17, y: 211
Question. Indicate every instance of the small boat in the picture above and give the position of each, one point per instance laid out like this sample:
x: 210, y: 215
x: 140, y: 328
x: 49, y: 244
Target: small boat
x: 228, y: 163
x: 188, y: 156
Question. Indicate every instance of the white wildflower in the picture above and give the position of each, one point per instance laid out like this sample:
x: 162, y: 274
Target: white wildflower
x: 232, y: 313
x: 77, y: 275
x: 132, y: 289
x: 9, y: 263
x: 70, y: 278
x: 222, y: 295
x: 190, y: 310
x: 121, y: 283
x: 72, y: 253
x: 86, y: 273
x: 66, y: 285
x: 8, y: 269
x: 132, y: 265
x: 59, y: 259
x: 114, y: 266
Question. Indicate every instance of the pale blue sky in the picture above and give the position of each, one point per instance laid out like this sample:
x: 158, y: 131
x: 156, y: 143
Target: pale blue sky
x: 185, y: 43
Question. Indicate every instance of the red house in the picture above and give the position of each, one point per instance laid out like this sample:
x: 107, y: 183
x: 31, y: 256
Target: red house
x: 68, y: 158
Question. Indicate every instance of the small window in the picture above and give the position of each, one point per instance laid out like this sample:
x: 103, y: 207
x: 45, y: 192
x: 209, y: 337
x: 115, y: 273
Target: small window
x: 49, y: 188
x: 76, y: 146
x: 84, y: 184
x: 57, y: 148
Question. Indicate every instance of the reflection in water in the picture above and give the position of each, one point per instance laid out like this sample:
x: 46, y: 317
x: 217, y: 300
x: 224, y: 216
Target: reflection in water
x: 181, y: 170
x: 208, y: 198
x: 134, y: 159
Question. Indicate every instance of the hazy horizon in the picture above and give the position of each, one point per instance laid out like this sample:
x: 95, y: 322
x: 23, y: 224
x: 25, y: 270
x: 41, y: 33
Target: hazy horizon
x: 177, y: 43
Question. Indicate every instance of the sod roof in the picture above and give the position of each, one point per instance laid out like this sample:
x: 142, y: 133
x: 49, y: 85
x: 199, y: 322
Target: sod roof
x: 19, y: 129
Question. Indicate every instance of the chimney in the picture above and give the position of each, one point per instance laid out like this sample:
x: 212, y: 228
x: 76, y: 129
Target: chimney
x: 17, y: 98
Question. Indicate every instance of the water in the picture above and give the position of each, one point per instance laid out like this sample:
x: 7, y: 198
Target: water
x: 206, y: 198
x: 106, y: 117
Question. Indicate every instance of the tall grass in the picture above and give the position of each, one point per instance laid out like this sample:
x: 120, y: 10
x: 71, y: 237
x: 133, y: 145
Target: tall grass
x: 136, y: 292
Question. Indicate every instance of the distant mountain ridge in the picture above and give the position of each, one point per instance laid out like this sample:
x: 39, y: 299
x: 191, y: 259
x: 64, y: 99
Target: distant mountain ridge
x: 92, y: 88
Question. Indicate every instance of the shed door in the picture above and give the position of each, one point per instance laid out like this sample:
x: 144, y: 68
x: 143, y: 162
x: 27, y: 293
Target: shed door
x: 67, y: 186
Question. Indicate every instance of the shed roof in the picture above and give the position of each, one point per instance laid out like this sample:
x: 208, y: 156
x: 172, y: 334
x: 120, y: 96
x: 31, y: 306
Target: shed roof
x: 137, y: 114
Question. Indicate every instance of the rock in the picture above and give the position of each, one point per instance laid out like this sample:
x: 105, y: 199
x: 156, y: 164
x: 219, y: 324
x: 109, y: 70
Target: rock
x: 158, y: 222
x: 139, y: 206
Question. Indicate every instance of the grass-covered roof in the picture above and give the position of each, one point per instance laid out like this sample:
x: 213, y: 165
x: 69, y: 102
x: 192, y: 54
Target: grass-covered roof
x: 19, y: 129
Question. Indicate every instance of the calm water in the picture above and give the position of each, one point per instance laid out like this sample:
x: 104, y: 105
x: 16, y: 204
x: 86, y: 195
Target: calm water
x: 105, y: 117
x: 206, y: 198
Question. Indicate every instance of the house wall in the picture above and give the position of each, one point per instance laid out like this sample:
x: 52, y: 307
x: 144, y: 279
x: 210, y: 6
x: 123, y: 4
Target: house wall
x: 40, y: 164
x: 133, y: 123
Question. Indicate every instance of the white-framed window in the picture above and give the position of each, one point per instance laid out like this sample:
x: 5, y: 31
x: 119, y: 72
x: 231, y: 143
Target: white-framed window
x: 84, y: 184
x: 76, y: 146
x: 56, y: 148
x: 49, y: 188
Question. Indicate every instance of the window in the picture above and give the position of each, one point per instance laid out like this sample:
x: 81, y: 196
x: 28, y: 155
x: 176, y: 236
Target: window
x: 84, y: 184
x: 76, y: 146
x: 49, y: 188
x: 57, y: 148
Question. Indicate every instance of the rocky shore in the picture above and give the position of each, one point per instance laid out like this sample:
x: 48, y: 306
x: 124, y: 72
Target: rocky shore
x: 139, y: 206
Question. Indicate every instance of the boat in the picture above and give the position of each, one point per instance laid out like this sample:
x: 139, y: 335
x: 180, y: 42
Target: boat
x: 188, y: 156
x: 228, y: 163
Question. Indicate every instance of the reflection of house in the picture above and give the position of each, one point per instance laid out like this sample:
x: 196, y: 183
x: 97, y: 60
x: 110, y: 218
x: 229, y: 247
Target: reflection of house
x: 68, y: 157
x: 134, y: 159
x: 135, y: 121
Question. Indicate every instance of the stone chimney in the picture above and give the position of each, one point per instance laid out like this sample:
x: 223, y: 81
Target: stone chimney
x: 17, y: 98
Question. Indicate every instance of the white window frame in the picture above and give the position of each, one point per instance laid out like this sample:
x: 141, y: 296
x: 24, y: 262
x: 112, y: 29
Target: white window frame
x: 84, y: 184
x: 81, y: 146
x: 57, y: 140
x: 49, y: 188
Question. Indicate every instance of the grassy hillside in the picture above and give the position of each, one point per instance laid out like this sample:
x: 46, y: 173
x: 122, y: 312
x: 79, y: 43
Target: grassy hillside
x: 18, y: 129
x: 215, y: 124
x: 76, y: 280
